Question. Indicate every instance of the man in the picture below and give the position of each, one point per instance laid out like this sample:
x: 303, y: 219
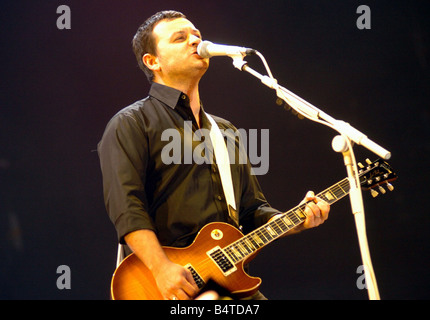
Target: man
x: 154, y: 204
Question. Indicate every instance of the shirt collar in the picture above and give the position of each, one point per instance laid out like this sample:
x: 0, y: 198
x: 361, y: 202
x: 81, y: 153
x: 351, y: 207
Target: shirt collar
x: 165, y: 94
x: 171, y: 96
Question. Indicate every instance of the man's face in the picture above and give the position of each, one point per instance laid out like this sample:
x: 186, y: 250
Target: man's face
x: 176, y: 43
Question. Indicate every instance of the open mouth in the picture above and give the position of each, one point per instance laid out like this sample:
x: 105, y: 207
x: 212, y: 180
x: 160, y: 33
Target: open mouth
x: 195, y: 54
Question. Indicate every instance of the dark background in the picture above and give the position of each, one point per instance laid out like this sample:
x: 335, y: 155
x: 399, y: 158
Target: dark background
x: 59, y: 88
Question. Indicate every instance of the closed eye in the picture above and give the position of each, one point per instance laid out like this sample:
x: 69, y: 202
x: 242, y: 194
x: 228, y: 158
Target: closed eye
x: 179, y: 36
x: 182, y: 35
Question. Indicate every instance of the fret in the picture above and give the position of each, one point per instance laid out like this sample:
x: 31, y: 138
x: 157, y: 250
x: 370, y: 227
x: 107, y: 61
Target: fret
x: 266, y: 233
x: 235, y: 252
x: 283, y: 226
x: 341, y: 188
x: 241, y: 248
x: 254, y: 244
x: 295, y: 218
x: 237, y: 256
x: 287, y: 221
x: 276, y: 228
x: 271, y: 231
x: 248, y: 241
x: 246, y: 249
x: 279, y: 226
x: 336, y: 192
x: 301, y: 213
x: 346, y: 186
x: 261, y: 235
x: 249, y: 247
x: 258, y: 239
x: 330, y: 196
x: 231, y: 254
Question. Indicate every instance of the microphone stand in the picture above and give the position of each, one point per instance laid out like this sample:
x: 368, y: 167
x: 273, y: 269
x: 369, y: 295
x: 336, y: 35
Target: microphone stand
x: 342, y: 144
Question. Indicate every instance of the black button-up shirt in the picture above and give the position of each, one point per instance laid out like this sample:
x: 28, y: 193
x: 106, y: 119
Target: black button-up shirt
x: 174, y: 200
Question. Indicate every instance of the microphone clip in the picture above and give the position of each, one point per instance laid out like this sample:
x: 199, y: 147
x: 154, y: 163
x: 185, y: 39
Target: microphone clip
x: 238, y: 61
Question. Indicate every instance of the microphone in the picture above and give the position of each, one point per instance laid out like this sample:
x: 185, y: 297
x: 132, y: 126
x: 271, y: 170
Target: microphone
x: 207, y: 49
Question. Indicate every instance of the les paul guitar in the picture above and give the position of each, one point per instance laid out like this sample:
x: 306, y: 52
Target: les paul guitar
x: 220, y: 251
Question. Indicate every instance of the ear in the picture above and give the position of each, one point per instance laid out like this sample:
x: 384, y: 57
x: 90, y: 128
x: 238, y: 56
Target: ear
x: 151, y: 62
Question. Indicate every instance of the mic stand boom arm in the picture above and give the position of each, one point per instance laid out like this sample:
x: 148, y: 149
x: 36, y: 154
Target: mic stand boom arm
x: 341, y: 143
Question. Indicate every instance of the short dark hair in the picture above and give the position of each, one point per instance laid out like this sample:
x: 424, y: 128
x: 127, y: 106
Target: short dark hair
x: 144, y: 42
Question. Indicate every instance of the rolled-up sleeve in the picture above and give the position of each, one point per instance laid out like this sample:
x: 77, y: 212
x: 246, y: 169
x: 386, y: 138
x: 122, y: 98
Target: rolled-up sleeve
x: 123, y: 154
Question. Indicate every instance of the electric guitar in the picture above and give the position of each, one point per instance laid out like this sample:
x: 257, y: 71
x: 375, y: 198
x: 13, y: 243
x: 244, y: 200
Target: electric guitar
x: 220, y: 251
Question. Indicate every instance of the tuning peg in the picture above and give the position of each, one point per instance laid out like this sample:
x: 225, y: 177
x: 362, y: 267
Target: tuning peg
x: 374, y: 193
x: 390, y: 186
x: 382, y: 190
x: 360, y: 165
x: 368, y: 161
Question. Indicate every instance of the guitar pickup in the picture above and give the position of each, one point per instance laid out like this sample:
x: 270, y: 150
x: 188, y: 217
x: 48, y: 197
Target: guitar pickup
x: 222, y: 260
x: 197, y: 279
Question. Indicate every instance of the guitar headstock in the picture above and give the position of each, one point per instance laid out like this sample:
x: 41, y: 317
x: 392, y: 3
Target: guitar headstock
x: 376, y: 175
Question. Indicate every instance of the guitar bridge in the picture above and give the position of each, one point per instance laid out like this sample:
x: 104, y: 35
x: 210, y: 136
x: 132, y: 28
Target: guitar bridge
x: 222, y: 261
x: 197, y: 279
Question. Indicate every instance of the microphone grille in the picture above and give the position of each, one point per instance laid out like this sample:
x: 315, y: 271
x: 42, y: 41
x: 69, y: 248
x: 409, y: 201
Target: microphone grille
x: 202, y: 49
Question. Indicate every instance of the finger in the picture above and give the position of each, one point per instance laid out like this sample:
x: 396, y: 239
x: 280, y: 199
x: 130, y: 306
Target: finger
x: 324, y: 207
x: 189, y: 286
x: 314, y: 209
x: 181, y: 288
x: 190, y: 279
x: 310, y: 195
x: 179, y: 294
x: 186, y: 288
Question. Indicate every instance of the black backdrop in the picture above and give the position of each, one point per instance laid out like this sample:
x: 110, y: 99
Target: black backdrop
x: 60, y: 87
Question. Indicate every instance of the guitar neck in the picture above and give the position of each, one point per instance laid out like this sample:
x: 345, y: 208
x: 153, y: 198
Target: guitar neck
x: 262, y: 236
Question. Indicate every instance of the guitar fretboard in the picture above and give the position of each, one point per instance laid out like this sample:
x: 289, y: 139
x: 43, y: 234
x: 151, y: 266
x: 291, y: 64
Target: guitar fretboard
x: 260, y: 237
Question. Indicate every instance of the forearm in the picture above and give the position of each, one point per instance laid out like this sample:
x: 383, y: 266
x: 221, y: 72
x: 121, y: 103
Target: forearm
x: 146, y: 247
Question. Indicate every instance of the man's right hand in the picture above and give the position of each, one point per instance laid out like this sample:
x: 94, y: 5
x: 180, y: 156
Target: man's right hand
x: 175, y: 282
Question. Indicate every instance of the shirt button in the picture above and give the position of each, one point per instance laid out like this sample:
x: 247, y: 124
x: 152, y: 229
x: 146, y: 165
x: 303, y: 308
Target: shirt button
x: 219, y: 198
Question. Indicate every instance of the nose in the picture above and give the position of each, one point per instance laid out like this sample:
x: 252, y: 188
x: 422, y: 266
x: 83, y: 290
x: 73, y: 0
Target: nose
x: 194, y: 40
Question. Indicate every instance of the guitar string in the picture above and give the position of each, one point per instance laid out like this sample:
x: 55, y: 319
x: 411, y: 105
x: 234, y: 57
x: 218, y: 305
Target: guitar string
x: 267, y: 233
x: 262, y: 236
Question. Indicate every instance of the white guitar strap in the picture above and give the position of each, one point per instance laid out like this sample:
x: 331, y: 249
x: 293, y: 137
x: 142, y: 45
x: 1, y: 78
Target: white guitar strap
x: 120, y: 254
x: 223, y: 162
